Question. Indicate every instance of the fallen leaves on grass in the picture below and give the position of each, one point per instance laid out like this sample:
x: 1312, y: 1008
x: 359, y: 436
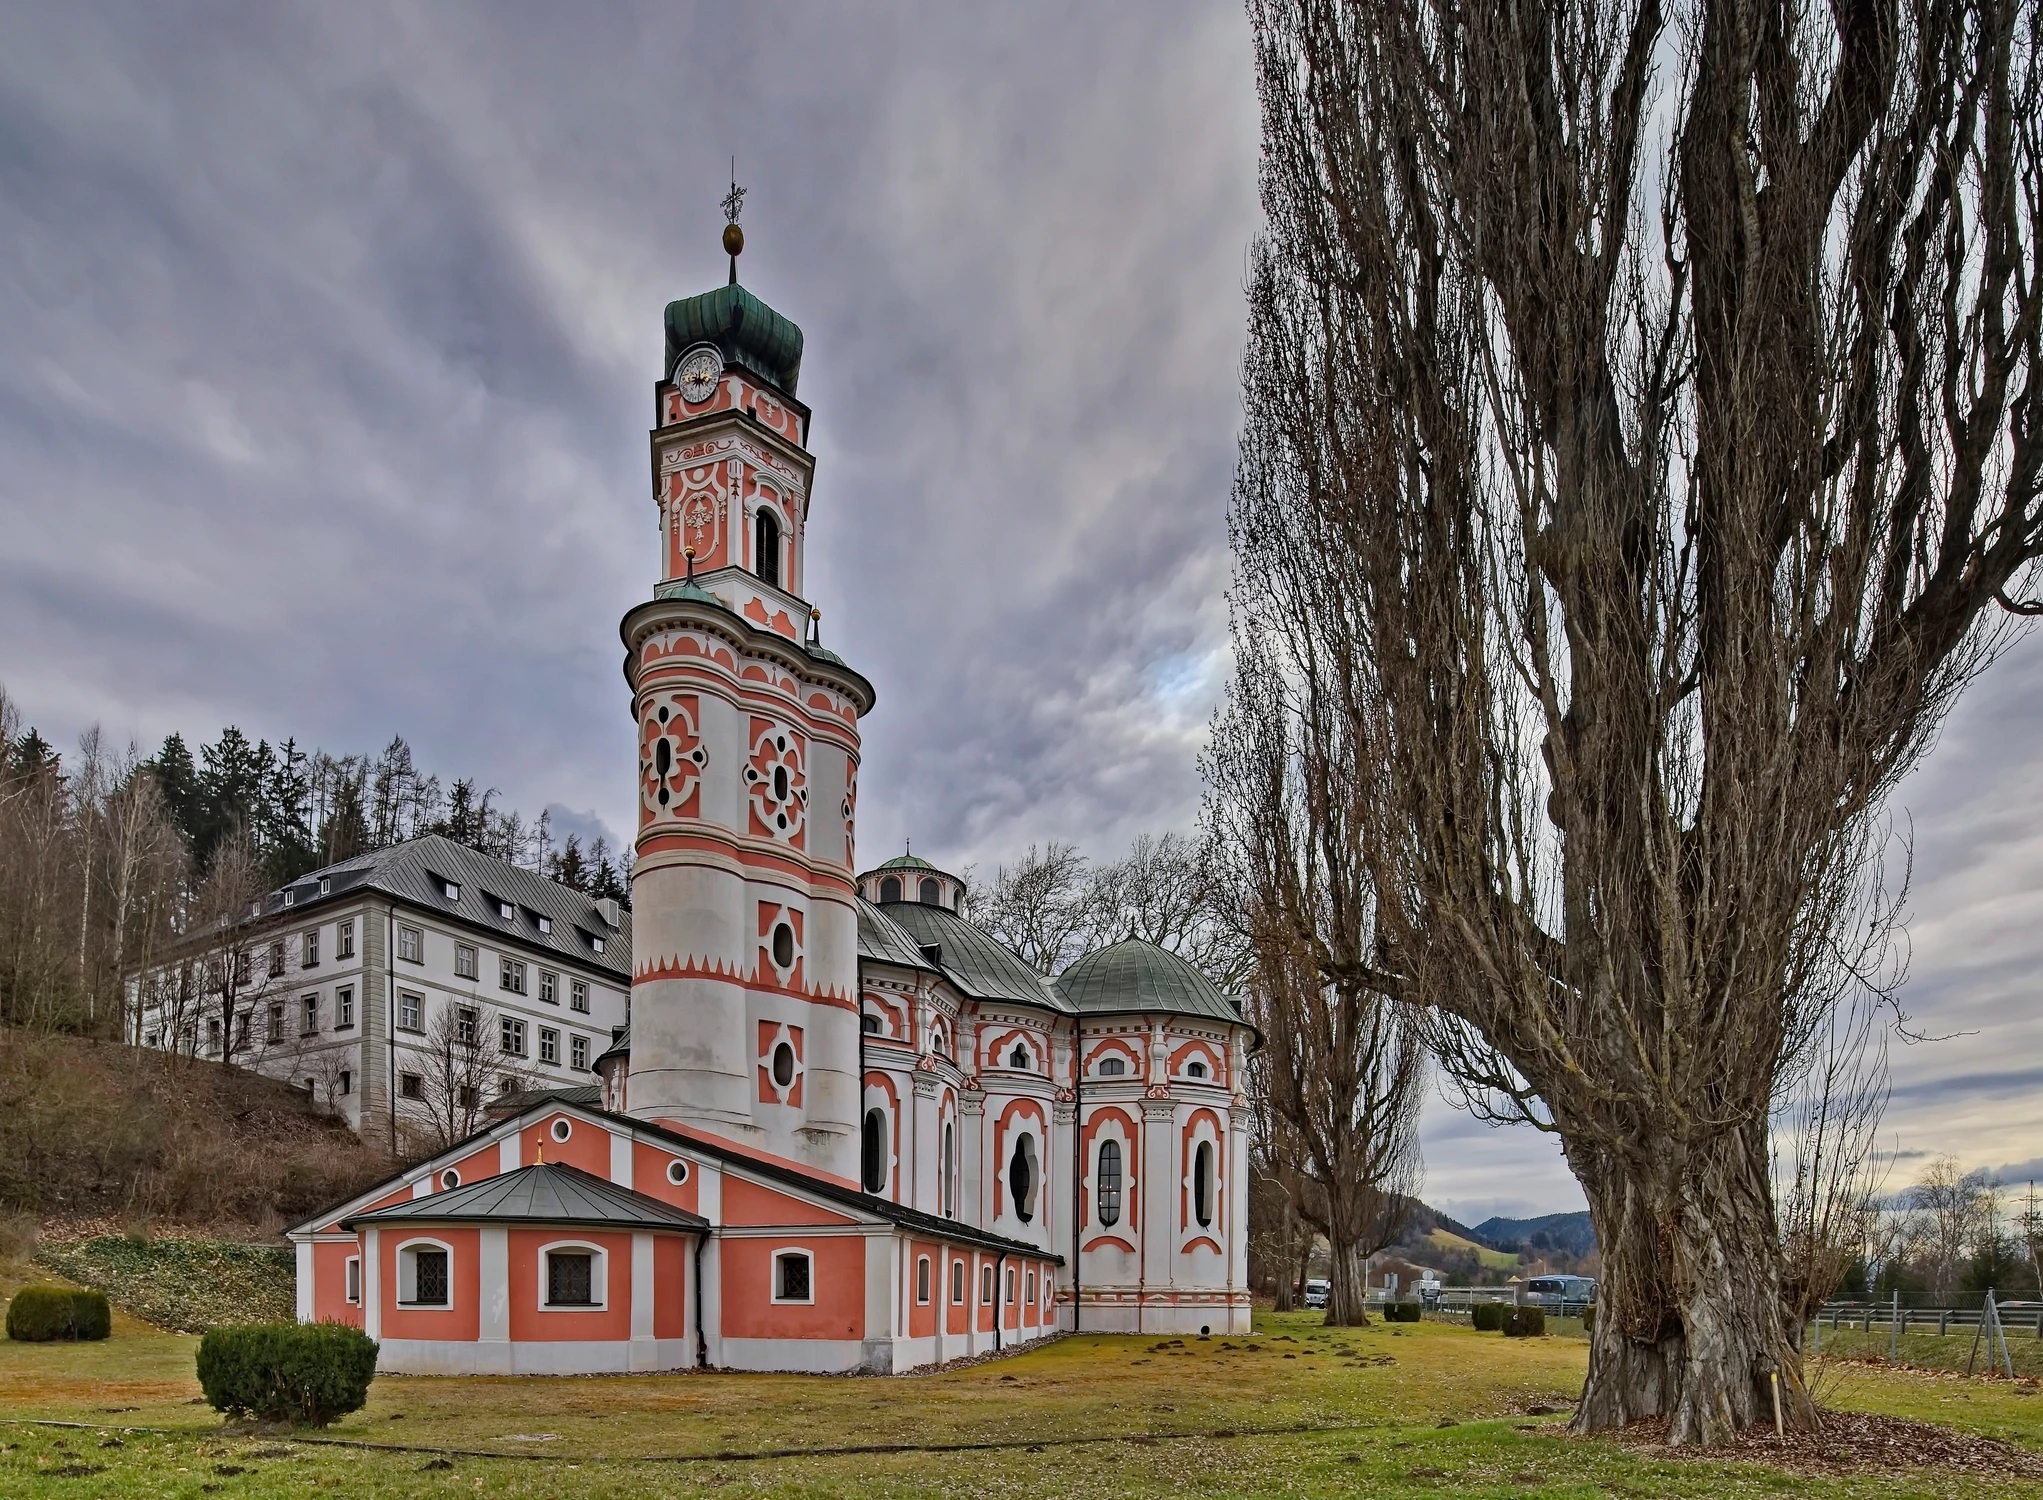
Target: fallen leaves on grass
x: 1850, y: 1442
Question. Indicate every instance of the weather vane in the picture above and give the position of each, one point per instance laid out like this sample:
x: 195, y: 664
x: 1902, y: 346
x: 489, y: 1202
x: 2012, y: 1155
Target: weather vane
x: 733, y: 205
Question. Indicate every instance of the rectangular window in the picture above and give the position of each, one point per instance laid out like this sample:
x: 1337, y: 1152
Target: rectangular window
x: 354, y: 1278
x: 549, y: 987
x: 1010, y: 1284
x: 344, y: 1007
x: 578, y: 1054
x: 411, y: 943
x: 985, y: 1284
x: 511, y: 976
x: 1030, y: 1295
x: 549, y: 1045
x: 276, y: 1022
x: 411, y: 1086
x: 464, y: 961
x: 308, y: 1023
x: 511, y: 1036
x: 344, y: 939
x: 791, y: 1277
x: 922, y: 1278
x: 276, y: 958
x: 241, y: 968
x: 213, y: 1034
x: 957, y: 1283
x: 467, y: 1096
x: 411, y: 1011
x: 578, y: 996
x: 429, y: 1277
x: 570, y: 1278
x: 347, y: 1082
x: 464, y: 1025
x: 312, y: 949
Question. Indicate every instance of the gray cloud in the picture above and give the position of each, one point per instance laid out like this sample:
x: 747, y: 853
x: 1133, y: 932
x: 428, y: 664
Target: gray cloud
x: 331, y: 335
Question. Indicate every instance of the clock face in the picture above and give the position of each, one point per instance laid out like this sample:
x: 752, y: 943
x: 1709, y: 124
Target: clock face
x: 697, y: 374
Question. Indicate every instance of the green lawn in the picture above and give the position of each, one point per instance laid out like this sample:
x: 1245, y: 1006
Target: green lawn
x: 1405, y: 1410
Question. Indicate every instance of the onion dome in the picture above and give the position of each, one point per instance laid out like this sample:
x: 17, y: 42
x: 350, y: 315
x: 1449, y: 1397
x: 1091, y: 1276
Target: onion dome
x: 744, y: 330
x: 1134, y: 975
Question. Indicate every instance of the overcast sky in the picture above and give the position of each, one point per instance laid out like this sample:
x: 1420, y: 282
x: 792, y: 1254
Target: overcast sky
x: 330, y: 340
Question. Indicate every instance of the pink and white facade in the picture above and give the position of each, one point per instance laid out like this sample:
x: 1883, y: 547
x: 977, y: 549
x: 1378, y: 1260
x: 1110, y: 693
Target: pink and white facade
x: 847, y: 1130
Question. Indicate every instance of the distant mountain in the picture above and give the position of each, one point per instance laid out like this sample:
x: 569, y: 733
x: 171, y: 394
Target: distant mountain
x: 1569, y: 1234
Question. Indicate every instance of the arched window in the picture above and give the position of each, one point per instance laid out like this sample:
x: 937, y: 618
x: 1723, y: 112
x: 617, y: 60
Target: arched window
x: 1106, y: 1183
x: 1195, y: 1070
x: 930, y: 891
x: 890, y: 888
x: 945, y: 1184
x: 870, y: 1024
x: 1202, y: 1184
x: 1021, y: 1180
x: 1019, y: 1058
x: 875, y: 1150
x: 1112, y: 1067
x: 766, y: 547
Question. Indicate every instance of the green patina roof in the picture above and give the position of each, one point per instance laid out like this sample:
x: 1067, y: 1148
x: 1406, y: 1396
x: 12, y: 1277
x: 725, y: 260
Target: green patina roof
x: 746, y: 330
x: 975, y: 962
x: 906, y: 862
x: 1134, y: 975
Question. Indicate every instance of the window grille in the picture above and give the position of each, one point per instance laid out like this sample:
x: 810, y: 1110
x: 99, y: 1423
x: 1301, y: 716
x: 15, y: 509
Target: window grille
x: 429, y: 1269
x: 570, y: 1278
x: 1106, y: 1183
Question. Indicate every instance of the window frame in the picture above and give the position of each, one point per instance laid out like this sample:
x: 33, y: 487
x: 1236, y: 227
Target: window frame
x: 511, y: 1034
x: 549, y: 987
x: 411, y: 1085
x: 344, y: 938
x: 549, y: 1045
x: 465, y: 966
x: 311, y: 952
x: 415, y: 1005
x: 578, y: 1054
x: 308, y: 1014
x: 511, y: 974
x: 465, y: 1019
x: 922, y: 1281
x: 986, y: 1287
x: 351, y: 1280
x: 578, y: 996
x: 1106, y: 1186
x: 414, y: 939
x: 407, y: 1274
x: 344, y: 1008
x: 958, y: 1282
x: 599, y: 1276
x: 776, y: 1281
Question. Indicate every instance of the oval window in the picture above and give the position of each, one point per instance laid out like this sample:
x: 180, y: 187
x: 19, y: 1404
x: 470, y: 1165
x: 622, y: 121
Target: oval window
x: 562, y: 1130
x: 663, y: 756
x: 780, y: 783
x: 783, y: 946
x: 874, y: 1152
x: 450, y: 1178
x: 1021, y: 1178
x: 783, y: 1065
x: 677, y: 1171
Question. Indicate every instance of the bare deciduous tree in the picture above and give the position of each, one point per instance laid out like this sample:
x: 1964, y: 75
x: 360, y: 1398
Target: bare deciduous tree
x: 462, y: 1067
x: 1642, y: 452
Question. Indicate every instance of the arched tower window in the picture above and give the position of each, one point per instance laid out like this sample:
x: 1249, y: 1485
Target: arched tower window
x: 890, y: 888
x: 875, y: 1150
x: 930, y: 892
x: 766, y: 547
x: 1202, y: 1184
x: 1106, y: 1183
x: 949, y: 1187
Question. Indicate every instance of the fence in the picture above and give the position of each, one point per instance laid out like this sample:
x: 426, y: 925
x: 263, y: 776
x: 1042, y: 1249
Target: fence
x: 1867, y: 1317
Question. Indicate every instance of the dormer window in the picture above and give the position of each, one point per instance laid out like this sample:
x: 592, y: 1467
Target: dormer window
x: 596, y: 942
x: 451, y: 890
x: 504, y: 908
x: 544, y: 922
x: 766, y: 547
x: 290, y: 898
x: 325, y: 886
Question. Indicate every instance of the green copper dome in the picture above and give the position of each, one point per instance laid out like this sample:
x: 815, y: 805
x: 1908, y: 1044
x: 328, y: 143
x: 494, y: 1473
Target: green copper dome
x: 748, y: 332
x: 906, y: 862
x: 1133, y: 975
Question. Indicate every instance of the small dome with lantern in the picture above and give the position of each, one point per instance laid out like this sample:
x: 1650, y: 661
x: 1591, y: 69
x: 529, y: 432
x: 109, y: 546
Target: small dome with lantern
x: 906, y: 877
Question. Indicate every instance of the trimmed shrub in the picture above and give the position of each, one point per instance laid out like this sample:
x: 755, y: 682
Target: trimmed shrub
x: 1524, y: 1322
x: 42, y: 1314
x: 1401, y: 1312
x: 1487, y: 1317
x: 303, y: 1373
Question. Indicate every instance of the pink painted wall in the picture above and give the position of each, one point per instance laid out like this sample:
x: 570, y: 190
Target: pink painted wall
x: 837, y: 1278
x: 530, y: 1322
x: 461, y: 1322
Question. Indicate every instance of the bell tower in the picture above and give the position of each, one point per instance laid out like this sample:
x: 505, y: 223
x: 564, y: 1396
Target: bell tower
x: 744, y: 1002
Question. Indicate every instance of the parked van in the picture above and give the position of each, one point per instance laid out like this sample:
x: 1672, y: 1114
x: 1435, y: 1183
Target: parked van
x: 1554, y: 1291
x: 1317, y: 1291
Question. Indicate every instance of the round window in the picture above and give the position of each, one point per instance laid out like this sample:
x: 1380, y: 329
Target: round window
x: 783, y: 947
x: 677, y: 1171
x: 783, y: 1065
x: 562, y: 1130
x: 450, y: 1178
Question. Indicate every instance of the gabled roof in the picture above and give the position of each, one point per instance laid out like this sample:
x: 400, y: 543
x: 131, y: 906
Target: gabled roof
x: 977, y: 964
x: 1133, y: 975
x: 416, y: 873
x: 544, y: 1193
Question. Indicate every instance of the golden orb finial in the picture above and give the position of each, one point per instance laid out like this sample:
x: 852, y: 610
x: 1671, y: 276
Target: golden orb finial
x: 734, y: 240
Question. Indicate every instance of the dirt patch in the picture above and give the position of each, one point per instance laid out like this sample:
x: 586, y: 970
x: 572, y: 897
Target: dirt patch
x: 1851, y: 1442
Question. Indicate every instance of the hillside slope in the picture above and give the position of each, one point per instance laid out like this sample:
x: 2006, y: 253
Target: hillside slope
x: 1566, y: 1234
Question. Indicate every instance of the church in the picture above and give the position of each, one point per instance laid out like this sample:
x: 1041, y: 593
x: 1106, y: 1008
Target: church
x: 844, y: 1129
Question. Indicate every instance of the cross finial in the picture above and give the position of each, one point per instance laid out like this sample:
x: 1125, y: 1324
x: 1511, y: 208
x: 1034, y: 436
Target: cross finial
x: 733, y: 205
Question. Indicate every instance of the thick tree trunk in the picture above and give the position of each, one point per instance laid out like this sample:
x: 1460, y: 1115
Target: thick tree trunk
x: 1348, y: 1285
x: 1689, y: 1324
